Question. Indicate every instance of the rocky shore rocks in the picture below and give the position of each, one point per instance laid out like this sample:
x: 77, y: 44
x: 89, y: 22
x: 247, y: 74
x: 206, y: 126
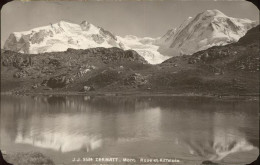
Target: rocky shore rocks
x: 27, y: 158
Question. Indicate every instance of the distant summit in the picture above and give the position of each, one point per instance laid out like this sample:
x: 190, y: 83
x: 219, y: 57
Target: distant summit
x: 61, y: 36
x: 207, y: 29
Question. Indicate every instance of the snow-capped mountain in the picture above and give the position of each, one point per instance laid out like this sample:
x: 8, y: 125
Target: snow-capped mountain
x: 61, y: 36
x: 145, y: 47
x: 207, y: 29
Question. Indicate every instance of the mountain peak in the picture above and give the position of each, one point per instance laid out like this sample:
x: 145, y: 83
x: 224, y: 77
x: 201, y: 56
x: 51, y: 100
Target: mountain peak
x: 59, y: 37
x: 62, y: 21
x: 213, y: 13
x: 84, y: 22
x: 206, y: 29
x: 85, y: 25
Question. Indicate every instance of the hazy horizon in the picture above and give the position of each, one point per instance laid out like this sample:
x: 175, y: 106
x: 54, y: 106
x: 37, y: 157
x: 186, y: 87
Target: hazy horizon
x: 139, y: 18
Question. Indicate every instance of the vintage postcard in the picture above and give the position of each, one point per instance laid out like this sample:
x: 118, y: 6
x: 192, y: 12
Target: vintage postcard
x: 151, y: 82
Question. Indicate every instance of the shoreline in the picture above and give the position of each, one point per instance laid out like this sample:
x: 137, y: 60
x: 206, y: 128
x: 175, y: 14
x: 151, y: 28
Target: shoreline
x: 254, y: 96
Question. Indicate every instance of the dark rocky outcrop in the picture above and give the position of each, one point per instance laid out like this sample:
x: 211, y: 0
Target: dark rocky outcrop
x: 104, y: 78
x: 28, y: 158
x: 135, y: 79
x: 17, y: 45
x: 58, y: 81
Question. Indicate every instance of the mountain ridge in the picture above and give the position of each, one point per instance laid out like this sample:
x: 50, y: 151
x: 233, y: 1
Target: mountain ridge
x: 61, y: 36
x: 206, y: 29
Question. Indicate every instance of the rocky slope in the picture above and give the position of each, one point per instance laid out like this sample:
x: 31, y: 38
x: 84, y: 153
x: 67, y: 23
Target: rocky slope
x: 58, y: 70
x: 207, y: 29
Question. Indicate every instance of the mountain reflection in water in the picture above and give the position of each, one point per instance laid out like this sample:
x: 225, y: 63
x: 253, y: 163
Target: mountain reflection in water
x: 186, y: 128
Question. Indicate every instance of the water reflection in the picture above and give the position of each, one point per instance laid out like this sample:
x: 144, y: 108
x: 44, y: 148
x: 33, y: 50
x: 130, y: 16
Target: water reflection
x: 57, y: 133
x: 197, y: 128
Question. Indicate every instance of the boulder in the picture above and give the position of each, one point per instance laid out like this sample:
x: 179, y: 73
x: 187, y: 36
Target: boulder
x: 44, y: 83
x: 35, y: 86
x: 135, y: 79
x: 58, y: 81
x: 20, y: 74
x: 87, y: 88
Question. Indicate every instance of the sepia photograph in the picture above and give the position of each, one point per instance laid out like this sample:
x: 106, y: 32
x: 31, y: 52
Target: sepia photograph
x: 129, y: 82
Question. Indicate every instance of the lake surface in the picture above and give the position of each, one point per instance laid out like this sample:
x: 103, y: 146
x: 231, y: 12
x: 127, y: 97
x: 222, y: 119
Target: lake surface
x: 191, y: 129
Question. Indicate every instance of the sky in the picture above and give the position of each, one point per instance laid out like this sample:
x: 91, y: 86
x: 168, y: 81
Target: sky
x: 142, y: 18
